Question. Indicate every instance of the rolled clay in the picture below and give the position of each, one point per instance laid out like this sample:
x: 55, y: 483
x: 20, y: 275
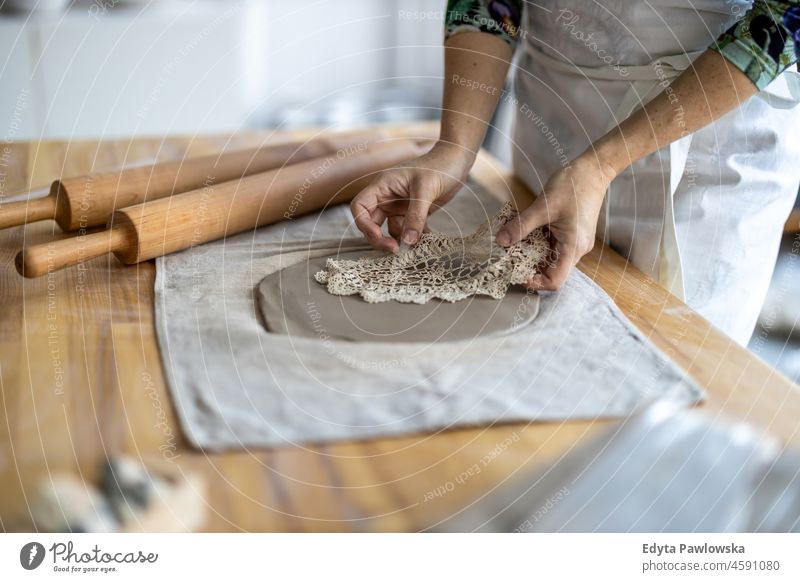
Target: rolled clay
x: 292, y: 303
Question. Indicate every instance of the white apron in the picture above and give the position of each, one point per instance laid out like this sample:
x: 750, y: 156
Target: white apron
x: 703, y: 216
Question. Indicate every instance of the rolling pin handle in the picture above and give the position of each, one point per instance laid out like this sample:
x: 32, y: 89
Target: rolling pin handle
x: 27, y: 211
x: 38, y: 260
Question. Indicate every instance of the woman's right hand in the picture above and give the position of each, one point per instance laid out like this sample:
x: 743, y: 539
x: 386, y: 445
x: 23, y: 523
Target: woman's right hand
x: 405, y: 195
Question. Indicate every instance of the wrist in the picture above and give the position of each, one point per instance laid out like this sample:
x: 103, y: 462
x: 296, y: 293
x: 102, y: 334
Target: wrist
x: 456, y: 155
x: 609, y: 155
x: 454, y: 150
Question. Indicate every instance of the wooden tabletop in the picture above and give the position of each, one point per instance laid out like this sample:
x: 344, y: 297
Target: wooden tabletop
x: 81, y: 379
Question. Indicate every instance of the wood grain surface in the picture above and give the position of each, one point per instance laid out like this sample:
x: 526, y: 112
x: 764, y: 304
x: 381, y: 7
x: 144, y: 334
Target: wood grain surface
x: 81, y: 378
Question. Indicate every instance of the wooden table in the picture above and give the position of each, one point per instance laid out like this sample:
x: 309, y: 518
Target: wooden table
x: 81, y: 378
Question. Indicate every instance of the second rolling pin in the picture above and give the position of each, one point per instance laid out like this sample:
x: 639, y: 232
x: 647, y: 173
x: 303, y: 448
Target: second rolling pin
x: 156, y: 228
x: 89, y: 200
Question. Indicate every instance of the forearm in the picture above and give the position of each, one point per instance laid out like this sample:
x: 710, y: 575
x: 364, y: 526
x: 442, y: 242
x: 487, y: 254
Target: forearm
x: 744, y: 59
x: 476, y: 65
x: 703, y: 93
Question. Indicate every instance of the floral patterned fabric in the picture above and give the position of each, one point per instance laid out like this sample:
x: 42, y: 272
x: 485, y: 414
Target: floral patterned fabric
x: 500, y: 17
x: 763, y: 44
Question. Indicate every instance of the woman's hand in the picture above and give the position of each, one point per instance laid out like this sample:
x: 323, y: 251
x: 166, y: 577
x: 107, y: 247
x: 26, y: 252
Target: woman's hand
x: 404, y: 196
x: 569, y: 206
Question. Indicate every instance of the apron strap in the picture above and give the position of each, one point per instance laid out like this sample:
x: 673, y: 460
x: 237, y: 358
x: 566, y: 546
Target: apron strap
x: 670, y: 273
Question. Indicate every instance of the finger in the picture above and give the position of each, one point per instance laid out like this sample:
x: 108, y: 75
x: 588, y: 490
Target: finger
x: 419, y: 205
x: 385, y: 243
x: 368, y: 217
x: 544, y: 282
x: 554, y: 276
x: 394, y: 207
x: 395, y: 226
x: 524, y: 223
x: 536, y: 283
x: 369, y: 225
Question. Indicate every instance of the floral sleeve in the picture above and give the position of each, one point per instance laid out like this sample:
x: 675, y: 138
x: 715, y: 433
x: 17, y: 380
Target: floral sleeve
x: 500, y: 17
x: 765, y: 42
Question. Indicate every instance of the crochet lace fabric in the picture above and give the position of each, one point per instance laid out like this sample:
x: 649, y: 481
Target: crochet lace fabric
x: 443, y: 267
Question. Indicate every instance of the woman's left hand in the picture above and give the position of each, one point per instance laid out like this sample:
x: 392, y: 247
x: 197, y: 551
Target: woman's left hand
x: 569, y: 206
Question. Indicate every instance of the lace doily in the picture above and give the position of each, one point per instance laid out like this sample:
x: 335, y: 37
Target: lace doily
x: 443, y: 267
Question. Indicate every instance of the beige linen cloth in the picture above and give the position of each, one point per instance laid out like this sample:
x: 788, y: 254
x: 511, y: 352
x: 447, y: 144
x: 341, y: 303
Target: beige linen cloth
x: 237, y: 385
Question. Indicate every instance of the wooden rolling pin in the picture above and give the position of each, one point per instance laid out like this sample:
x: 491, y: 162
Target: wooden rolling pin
x: 159, y: 227
x: 89, y: 200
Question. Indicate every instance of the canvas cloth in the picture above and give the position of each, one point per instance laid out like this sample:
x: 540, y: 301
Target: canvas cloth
x: 236, y: 385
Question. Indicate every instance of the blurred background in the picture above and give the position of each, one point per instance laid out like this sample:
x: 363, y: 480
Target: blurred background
x: 121, y: 68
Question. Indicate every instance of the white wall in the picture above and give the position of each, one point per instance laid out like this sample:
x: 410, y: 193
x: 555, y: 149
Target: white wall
x: 170, y: 68
x: 315, y: 54
x: 199, y: 66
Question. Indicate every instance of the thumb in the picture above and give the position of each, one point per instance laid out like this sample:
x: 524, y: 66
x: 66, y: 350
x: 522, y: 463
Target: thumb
x: 523, y: 224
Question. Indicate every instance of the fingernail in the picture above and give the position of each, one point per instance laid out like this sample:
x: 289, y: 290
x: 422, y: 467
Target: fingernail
x: 503, y: 238
x: 410, y: 237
